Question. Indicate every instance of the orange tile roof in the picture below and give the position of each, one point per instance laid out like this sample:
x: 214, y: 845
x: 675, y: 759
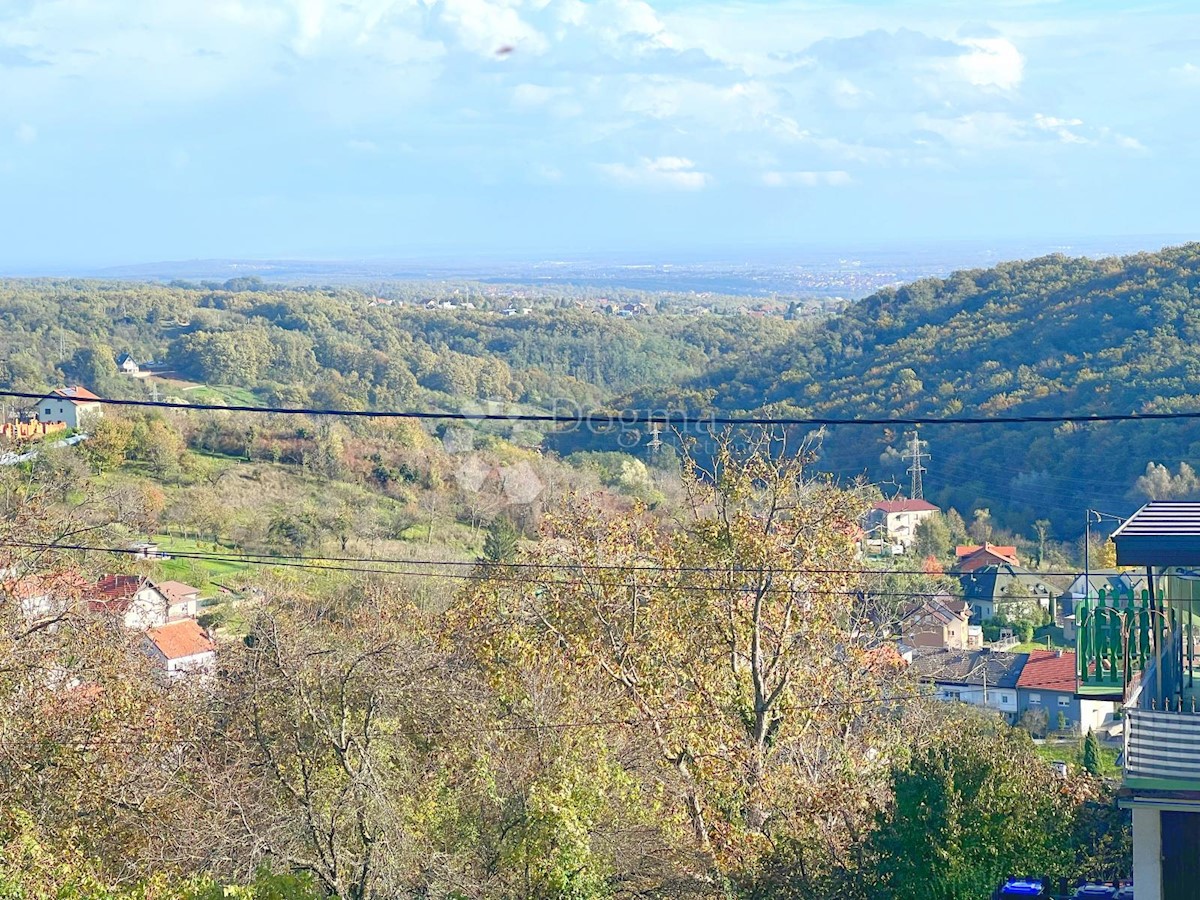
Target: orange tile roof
x: 179, y: 639
x: 999, y: 549
x: 75, y: 394
x: 1048, y: 670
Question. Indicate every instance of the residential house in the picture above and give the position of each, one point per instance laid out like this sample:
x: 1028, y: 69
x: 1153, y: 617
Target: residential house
x: 1047, y: 684
x: 182, y: 648
x: 1112, y: 582
x: 137, y: 601
x: 182, y: 599
x: 975, y: 556
x: 1144, y: 654
x: 942, y: 621
x: 980, y: 677
x: 1108, y: 583
x: 127, y: 365
x: 44, y: 595
x: 897, y: 520
x: 991, y: 589
x: 72, y: 405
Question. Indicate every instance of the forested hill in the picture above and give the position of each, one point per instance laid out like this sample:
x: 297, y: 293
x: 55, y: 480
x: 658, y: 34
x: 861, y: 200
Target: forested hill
x: 1050, y: 335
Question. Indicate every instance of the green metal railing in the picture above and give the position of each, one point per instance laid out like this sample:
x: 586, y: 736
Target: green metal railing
x: 1117, y: 635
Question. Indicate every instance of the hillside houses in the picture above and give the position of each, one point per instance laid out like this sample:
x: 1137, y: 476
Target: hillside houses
x: 161, y: 614
x: 1014, y: 685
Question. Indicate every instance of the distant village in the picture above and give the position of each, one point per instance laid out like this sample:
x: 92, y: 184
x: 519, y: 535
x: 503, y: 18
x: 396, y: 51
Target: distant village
x: 942, y: 636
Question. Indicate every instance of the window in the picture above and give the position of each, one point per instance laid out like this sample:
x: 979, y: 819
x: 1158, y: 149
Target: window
x: 1064, y: 701
x: 1035, y: 699
x: 47, y: 410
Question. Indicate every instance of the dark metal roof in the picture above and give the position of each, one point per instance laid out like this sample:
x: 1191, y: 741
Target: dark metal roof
x: 969, y: 666
x: 1161, y: 533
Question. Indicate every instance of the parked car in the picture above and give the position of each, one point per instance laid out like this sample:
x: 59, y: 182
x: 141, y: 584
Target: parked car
x: 1020, y: 887
x: 1095, y: 892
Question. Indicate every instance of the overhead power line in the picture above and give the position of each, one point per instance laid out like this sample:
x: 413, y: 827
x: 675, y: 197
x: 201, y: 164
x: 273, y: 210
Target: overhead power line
x: 634, y: 417
x: 277, y: 558
x: 501, y: 573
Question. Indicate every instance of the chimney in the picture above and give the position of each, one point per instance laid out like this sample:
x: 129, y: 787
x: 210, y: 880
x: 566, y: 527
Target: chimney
x: 1058, y: 653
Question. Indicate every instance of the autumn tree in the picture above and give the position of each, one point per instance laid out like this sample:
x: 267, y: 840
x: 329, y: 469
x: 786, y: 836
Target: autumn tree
x: 727, y: 637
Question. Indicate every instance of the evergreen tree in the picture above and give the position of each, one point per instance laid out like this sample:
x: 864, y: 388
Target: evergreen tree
x: 1091, y: 753
x: 500, y: 545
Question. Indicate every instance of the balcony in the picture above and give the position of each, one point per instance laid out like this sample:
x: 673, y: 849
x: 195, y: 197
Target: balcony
x: 1162, y: 750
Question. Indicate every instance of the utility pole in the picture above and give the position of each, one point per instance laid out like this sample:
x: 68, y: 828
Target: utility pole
x: 915, y: 453
x: 655, y: 441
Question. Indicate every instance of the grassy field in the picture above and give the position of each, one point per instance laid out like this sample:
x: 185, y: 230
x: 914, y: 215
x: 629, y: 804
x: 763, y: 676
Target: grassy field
x: 196, y: 572
x: 1071, y: 752
x: 206, y: 393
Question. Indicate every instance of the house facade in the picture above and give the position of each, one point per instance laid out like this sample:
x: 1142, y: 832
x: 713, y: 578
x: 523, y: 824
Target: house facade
x: 1143, y: 654
x: 1047, y: 684
x: 897, y: 520
x: 942, y: 622
x: 989, y: 589
x: 73, y: 406
x: 135, y: 600
x: 182, y: 599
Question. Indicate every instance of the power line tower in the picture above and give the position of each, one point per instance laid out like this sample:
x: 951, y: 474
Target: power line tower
x: 915, y: 452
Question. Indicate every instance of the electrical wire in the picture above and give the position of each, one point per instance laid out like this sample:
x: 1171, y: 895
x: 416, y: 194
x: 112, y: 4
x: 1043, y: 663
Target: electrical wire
x: 281, y: 558
x: 634, y: 418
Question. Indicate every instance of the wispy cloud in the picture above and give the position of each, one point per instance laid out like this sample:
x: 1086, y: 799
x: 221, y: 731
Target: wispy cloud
x: 834, y: 178
x: 671, y: 172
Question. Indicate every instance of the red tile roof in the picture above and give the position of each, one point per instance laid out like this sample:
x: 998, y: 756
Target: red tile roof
x: 895, y: 506
x: 1050, y: 671
x: 999, y: 549
x: 179, y: 639
x: 75, y: 394
x: 114, y: 593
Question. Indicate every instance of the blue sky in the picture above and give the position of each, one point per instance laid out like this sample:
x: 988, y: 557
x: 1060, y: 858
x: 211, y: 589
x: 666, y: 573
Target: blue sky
x: 138, y: 130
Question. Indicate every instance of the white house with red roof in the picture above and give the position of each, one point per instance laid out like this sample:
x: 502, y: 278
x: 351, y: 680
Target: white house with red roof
x: 72, y: 405
x: 1047, y: 683
x: 182, y: 648
x: 135, y: 600
x: 898, y: 520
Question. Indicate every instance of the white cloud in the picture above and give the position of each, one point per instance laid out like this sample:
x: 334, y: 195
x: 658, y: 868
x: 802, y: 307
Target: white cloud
x: 991, y: 62
x: 833, y: 178
x: 361, y: 146
x: 1188, y: 73
x: 1061, y: 128
x: 26, y: 133
x: 673, y: 172
x: 485, y: 26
